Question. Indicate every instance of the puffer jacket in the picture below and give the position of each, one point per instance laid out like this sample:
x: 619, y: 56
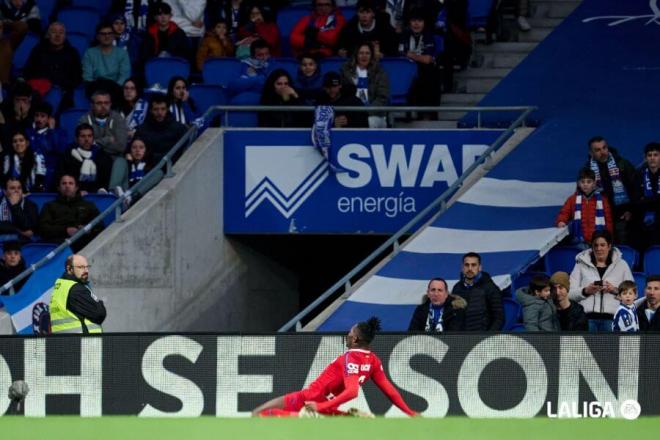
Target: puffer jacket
x: 539, y: 315
x: 453, y: 315
x: 585, y: 273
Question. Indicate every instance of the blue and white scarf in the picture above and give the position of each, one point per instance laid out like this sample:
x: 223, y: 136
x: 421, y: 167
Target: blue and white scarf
x: 434, y: 319
x: 5, y: 210
x: 577, y: 216
x: 324, y: 116
x: 619, y: 191
x: 136, y: 172
x: 649, y: 216
x: 362, y: 85
x: 141, y: 22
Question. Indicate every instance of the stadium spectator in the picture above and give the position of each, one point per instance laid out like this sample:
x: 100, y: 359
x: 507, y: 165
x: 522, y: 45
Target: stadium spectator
x: 259, y: 24
x: 139, y: 14
x: 160, y: 131
x: 625, y: 320
x: 318, y: 32
x: 309, y: 80
x: 6, y: 55
x: 368, y: 27
x: 539, y: 311
x: 20, y: 16
x: 615, y: 176
x: 105, y: 66
x: 189, y: 16
x: 215, y: 44
x: 333, y: 94
x: 595, y: 278
x: 18, y: 112
x: 23, y: 164
x: 254, y: 69
x: 279, y: 90
x: 47, y: 142
x: 18, y: 215
x: 67, y: 214
x: 342, y: 378
x: 484, y: 300
x: 182, y: 106
x: 11, y: 265
x: 570, y: 313
x: 649, y: 319
x: 140, y: 163
x: 87, y: 162
x: 55, y: 62
x: 364, y: 73
x: 586, y: 210
x: 229, y: 11
x: 73, y: 306
x: 440, y: 311
x: 127, y: 39
x: 400, y: 11
x: 646, y: 196
x: 133, y: 108
x: 418, y: 44
x: 164, y: 37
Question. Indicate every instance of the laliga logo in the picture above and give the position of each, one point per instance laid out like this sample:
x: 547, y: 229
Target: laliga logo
x: 620, y: 19
x: 629, y: 409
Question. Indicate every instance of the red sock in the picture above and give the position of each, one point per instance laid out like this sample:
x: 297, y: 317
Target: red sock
x: 277, y: 412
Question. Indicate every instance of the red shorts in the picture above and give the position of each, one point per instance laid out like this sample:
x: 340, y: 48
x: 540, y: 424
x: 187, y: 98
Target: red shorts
x: 296, y: 400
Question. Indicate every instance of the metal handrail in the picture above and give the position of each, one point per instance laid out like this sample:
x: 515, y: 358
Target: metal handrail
x: 394, y: 240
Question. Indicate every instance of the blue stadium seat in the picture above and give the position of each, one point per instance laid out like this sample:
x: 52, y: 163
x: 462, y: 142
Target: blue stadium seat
x: 512, y: 313
x: 80, y: 98
x: 652, y: 260
x: 69, y: 121
x: 23, y: 52
x: 286, y: 20
x: 46, y: 8
x: 205, y: 96
x: 102, y: 201
x: 33, y: 252
x: 54, y: 97
x: 40, y: 199
x: 102, y: 6
x: 244, y: 119
x: 401, y: 73
x: 80, y: 20
x: 640, y: 280
x: 523, y: 280
x: 221, y: 71
x: 332, y: 64
x: 161, y: 70
x: 478, y: 12
x: 630, y: 255
x: 561, y: 258
x: 348, y: 12
x: 79, y: 41
x: 518, y: 328
x: 288, y: 64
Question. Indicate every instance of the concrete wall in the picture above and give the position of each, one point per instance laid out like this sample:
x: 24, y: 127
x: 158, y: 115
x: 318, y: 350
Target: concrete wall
x: 167, y: 266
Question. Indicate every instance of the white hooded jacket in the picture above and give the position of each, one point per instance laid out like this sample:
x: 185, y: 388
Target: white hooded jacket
x: 185, y: 12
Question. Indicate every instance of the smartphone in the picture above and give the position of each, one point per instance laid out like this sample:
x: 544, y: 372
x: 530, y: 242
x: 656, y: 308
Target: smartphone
x: 598, y: 283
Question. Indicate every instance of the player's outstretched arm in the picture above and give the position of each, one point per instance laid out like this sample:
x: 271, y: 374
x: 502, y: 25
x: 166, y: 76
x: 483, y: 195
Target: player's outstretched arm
x: 351, y: 389
x: 381, y: 380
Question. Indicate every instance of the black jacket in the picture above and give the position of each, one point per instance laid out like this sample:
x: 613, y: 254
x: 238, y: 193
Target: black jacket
x: 453, y: 315
x: 62, y: 213
x: 71, y: 166
x: 484, y: 310
x: 9, y: 273
x: 351, y: 37
x: 643, y: 203
x: 160, y: 137
x: 347, y: 99
x: 24, y: 216
x: 573, y: 318
x: 644, y: 324
x: 82, y: 303
x: 627, y: 175
x: 62, y: 67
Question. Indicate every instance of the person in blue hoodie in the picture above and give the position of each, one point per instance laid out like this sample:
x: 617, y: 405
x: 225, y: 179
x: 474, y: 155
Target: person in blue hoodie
x: 254, y: 70
x: 48, y: 144
x: 309, y: 79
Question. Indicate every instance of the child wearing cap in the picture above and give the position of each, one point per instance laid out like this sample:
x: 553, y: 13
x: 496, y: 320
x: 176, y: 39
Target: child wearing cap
x: 625, y: 320
x: 571, y: 314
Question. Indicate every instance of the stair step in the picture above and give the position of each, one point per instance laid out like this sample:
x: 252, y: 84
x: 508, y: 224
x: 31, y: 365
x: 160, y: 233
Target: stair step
x: 459, y: 99
x: 484, y: 73
x: 506, y: 47
x: 481, y: 85
x: 544, y: 22
x: 553, y: 8
x: 451, y: 116
x: 535, y: 35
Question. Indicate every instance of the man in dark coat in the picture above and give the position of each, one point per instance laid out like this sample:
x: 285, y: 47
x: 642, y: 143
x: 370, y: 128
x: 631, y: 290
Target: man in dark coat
x: 334, y: 95
x: 18, y: 215
x: 647, y: 311
x: 164, y: 37
x: 11, y: 265
x: 484, y: 299
x: 440, y: 311
x: 368, y: 27
x: 160, y: 131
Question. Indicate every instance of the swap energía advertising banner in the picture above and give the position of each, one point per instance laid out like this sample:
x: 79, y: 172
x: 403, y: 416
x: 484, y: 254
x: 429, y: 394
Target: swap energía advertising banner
x: 275, y: 181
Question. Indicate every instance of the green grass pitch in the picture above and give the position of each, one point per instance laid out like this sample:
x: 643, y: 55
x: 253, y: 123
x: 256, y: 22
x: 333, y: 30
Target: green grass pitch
x: 452, y: 428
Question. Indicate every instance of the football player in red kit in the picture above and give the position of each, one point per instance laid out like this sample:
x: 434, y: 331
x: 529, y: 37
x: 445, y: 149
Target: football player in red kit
x: 340, y: 381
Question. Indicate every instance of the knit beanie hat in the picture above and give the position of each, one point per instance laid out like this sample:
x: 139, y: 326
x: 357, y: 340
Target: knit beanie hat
x: 560, y: 278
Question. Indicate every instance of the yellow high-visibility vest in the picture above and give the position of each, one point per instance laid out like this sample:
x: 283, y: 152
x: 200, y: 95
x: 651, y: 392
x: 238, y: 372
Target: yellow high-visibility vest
x: 61, y: 319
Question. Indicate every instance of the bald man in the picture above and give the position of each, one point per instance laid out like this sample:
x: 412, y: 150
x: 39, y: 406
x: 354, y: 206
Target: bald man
x: 73, y: 306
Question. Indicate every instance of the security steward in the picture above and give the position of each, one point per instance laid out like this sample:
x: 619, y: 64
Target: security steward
x: 73, y: 306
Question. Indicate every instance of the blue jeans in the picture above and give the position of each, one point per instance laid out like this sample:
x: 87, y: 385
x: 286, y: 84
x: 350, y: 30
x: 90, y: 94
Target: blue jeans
x: 600, y: 326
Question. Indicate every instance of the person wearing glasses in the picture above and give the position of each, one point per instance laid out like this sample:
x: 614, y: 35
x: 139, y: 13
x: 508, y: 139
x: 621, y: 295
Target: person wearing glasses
x: 73, y: 306
x: 318, y: 33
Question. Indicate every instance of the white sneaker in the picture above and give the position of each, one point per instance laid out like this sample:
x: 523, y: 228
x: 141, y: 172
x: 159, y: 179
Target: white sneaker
x: 523, y: 24
x: 305, y: 413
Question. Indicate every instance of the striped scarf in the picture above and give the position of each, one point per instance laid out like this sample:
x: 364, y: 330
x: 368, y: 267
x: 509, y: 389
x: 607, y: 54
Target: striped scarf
x: 434, y: 319
x: 136, y: 172
x: 139, y: 22
x: 5, y: 210
x: 649, y: 216
x: 577, y: 216
x: 619, y: 191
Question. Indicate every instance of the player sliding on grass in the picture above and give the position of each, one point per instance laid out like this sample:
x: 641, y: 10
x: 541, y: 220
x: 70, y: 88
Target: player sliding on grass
x: 340, y: 381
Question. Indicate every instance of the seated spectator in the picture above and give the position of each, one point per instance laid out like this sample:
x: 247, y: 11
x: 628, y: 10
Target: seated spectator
x: 646, y: 197
x: 133, y: 108
x: 164, y: 37
x: 140, y: 163
x: 18, y: 215
x: 587, y: 209
x: 20, y: 16
x: 418, y: 44
x: 254, y: 69
x: 595, y: 279
x: 334, y: 95
x: 87, y: 162
x: 105, y: 67
x: 649, y: 319
x: 440, y: 311
x: 127, y: 39
x: 278, y: 90
x: 11, y: 265
x: 57, y: 62
x: 23, y: 164
x: 539, y: 312
x: 215, y: 44
x: 48, y: 143
x: 318, y: 32
x: 625, y: 320
x: 370, y: 81
x: 229, y: 11
x: 368, y: 27
x: 160, y: 131
x: 570, y: 313
x: 182, y: 106
x: 484, y: 300
x: 309, y: 80
x: 259, y: 24
x: 63, y: 217
x: 110, y: 133
x: 18, y: 112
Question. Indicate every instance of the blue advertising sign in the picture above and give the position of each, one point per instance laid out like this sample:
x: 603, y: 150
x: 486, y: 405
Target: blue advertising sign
x: 275, y: 181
